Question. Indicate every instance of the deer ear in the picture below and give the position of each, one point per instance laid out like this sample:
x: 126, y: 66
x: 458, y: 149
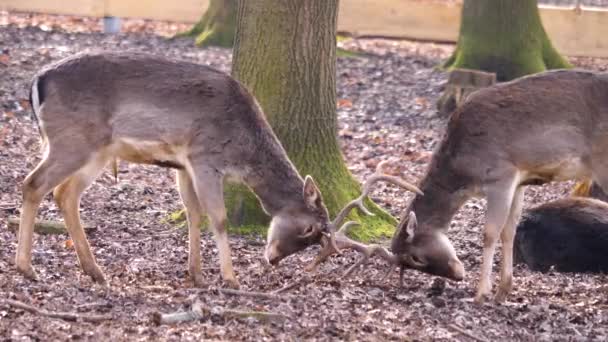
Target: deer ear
x: 311, y: 192
x: 410, y: 228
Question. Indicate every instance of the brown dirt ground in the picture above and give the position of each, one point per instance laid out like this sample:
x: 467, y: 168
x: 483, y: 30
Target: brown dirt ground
x: 386, y: 111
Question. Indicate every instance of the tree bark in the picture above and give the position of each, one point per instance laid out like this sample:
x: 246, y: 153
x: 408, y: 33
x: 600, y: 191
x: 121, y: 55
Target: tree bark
x: 285, y: 53
x: 506, y: 37
x: 217, y: 25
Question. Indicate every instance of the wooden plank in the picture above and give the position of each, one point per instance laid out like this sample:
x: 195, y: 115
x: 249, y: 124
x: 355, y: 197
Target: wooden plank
x: 188, y: 11
x: 577, y: 33
x: 573, y: 33
x: 75, y: 7
x: 416, y: 19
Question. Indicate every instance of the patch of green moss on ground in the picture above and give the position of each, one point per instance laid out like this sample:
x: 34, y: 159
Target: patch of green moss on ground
x: 371, y: 228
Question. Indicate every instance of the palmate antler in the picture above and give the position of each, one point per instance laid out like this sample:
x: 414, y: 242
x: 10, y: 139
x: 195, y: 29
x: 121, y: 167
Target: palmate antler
x: 341, y: 241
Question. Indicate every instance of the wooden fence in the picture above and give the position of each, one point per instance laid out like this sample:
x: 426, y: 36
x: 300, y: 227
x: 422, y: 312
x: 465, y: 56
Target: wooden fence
x: 574, y: 33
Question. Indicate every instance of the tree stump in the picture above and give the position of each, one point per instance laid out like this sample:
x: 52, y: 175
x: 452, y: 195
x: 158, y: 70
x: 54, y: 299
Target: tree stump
x: 461, y: 83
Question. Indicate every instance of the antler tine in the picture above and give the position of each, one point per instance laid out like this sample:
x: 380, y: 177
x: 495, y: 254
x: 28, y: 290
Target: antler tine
x: 370, y: 251
x: 328, y: 250
x: 337, y: 238
x: 344, y: 242
x: 377, y: 176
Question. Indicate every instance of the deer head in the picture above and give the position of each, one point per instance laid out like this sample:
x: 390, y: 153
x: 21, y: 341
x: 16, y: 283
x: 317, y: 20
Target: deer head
x: 295, y: 228
x: 425, y: 250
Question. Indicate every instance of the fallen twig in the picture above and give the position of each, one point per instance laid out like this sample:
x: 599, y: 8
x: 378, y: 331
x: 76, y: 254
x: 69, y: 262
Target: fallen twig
x: 68, y: 316
x: 168, y: 233
x: 263, y: 316
x: 8, y: 206
x: 199, y: 312
x: 44, y: 227
x: 466, y: 333
x: 248, y: 293
x: 292, y: 285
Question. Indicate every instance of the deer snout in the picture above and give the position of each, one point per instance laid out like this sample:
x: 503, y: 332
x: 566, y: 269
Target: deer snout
x: 272, y: 254
x: 456, y: 270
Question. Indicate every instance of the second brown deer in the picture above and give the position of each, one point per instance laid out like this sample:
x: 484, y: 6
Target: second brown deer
x: 92, y: 108
x: 551, y: 126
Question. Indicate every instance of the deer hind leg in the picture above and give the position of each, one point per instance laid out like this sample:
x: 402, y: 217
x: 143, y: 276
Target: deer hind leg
x: 499, y: 199
x: 50, y: 172
x: 193, y: 213
x: 507, y: 237
x: 209, y: 190
x: 67, y: 196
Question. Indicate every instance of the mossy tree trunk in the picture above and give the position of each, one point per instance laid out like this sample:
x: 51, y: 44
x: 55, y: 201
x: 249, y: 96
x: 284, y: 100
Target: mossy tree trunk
x: 217, y: 25
x: 506, y: 37
x: 285, y: 53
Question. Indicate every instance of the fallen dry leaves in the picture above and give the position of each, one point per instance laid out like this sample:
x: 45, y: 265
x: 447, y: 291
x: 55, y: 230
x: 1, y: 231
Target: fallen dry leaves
x: 390, y: 116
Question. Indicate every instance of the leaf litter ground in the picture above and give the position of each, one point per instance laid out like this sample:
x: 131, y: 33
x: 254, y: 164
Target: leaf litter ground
x: 386, y: 112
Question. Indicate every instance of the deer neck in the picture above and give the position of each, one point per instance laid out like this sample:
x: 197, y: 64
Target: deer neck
x: 277, y: 187
x: 442, y: 199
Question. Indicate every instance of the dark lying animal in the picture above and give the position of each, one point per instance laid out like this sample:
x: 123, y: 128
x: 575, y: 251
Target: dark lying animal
x: 570, y: 234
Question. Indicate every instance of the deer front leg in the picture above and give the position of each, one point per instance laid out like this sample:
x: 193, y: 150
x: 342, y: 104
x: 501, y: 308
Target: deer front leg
x: 507, y: 237
x: 499, y: 203
x: 209, y: 191
x: 193, y: 214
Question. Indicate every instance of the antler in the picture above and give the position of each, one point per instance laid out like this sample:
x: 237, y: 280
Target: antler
x: 378, y: 175
x: 344, y: 242
x: 340, y: 240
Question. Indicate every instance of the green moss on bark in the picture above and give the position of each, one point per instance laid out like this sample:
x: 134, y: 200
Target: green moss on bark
x: 217, y: 25
x: 289, y: 65
x: 506, y: 37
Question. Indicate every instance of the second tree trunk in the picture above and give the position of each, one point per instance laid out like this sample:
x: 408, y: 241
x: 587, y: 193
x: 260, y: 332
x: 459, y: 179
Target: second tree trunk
x: 506, y: 37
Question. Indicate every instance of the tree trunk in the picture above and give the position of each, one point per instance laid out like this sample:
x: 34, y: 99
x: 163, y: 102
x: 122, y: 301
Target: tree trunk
x: 285, y: 52
x: 506, y: 37
x: 217, y: 25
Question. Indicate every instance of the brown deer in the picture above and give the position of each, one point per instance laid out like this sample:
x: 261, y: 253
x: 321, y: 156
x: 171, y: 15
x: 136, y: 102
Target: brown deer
x: 551, y: 126
x: 93, y: 108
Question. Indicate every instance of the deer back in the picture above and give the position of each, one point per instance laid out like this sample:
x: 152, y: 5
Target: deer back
x: 570, y: 234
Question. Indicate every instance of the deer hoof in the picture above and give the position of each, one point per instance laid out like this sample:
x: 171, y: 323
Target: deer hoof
x: 481, y: 298
x: 501, y: 296
x: 99, y: 279
x: 232, y: 283
x: 97, y: 276
x: 197, y: 280
x: 28, y: 272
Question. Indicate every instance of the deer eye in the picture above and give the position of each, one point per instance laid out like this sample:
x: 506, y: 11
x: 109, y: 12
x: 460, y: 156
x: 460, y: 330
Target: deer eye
x: 308, y: 231
x: 416, y: 260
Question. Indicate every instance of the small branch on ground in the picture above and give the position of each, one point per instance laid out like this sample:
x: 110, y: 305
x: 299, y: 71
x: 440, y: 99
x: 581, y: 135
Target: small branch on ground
x: 67, y: 316
x: 198, y: 312
x: 45, y: 227
x: 8, y: 206
x: 466, y: 333
x: 262, y: 316
x: 292, y: 285
x: 248, y: 294
x: 168, y: 233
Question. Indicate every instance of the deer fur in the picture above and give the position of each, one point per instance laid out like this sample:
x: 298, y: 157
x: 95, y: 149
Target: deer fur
x: 551, y: 126
x: 569, y: 234
x: 93, y: 108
